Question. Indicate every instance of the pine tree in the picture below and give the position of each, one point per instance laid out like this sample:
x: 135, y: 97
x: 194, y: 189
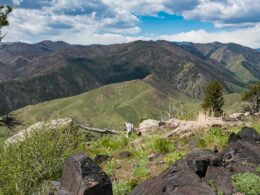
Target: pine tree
x: 213, y: 100
x: 252, y: 96
x: 4, y: 12
x: 7, y: 120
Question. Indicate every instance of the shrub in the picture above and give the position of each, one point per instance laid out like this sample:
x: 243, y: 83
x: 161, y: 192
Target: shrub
x: 122, y: 188
x: 258, y: 170
x: 114, y: 142
x: 174, y: 156
x: 162, y: 145
x: 247, y: 183
x: 26, y: 165
x: 140, y: 172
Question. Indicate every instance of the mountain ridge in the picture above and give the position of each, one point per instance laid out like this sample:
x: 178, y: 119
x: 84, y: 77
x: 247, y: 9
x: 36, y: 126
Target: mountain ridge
x: 59, y: 70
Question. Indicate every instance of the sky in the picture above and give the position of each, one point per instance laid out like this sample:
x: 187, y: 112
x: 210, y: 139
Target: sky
x: 118, y: 21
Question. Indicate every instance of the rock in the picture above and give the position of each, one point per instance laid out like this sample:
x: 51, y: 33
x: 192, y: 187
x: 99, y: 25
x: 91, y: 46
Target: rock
x: 206, y: 172
x: 247, y: 114
x: 248, y: 133
x: 125, y: 154
x: 233, y: 138
x: 148, y: 126
x: 81, y: 176
x: 155, y: 156
x: 40, y: 126
x: 236, y: 116
x: 220, y: 178
x: 200, y: 166
x: 100, y: 158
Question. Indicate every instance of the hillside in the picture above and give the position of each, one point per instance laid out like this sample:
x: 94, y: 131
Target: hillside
x: 112, y: 105
x: 244, y: 62
x: 108, y: 106
x: 60, y: 70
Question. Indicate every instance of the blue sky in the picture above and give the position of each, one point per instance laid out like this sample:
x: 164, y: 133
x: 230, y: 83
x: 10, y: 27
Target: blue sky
x: 120, y: 21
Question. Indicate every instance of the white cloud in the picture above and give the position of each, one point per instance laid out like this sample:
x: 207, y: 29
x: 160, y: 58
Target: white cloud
x: 226, y: 12
x: 246, y: 36
x: 113, y: 21
x: 17, y: 2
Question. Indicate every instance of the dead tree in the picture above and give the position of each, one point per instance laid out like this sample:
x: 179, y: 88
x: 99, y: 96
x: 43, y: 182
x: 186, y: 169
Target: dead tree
x: 99, y: 130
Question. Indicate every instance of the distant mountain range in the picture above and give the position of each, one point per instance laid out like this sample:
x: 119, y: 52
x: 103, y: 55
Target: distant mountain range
x: 33, y: 73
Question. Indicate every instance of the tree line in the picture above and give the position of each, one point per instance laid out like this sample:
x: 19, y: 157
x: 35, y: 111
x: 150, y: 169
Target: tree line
x: 213, y: 100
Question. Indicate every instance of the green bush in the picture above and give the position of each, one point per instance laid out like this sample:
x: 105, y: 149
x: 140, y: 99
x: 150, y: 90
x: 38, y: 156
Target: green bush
x: 26, y: 165
x: 247, y: 183
x: 122, y: 188
x: 162, y: 145
x: 114, y: 142
x: 174, y: 156
x: 258, y: 170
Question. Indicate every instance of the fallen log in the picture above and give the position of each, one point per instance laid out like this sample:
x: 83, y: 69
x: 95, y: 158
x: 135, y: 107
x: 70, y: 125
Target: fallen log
x: 98, y: 130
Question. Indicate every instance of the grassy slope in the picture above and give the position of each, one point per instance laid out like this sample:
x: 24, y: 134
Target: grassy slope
x: 110, y: 106
x: 107, y: 106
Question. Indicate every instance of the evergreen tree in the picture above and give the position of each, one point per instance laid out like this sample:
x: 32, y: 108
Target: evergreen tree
x: 4, y: 12
x: 213, y: 100
x: 252, y: 96
x: 8, y: 120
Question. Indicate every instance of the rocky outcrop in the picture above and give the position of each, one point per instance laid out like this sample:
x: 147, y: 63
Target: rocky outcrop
x: 40, y: 126
x: 207, y: 172
x: 148, y: 126
x: 184, y: 128
x: 81, y: 176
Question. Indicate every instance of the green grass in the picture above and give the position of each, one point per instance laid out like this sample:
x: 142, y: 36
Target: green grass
x: 47, y: 152
x: 3, y: 135
x: 25, y: 166
x: 162, y: 145
x: 213, y: 138
x: 247, y: 183
x: 112, y: 105
x: 108, y: 106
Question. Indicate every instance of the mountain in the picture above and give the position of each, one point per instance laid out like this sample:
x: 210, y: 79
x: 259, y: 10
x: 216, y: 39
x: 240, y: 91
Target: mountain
x: 244, y: 62
x: 258, y: 49
x: 50, y: 70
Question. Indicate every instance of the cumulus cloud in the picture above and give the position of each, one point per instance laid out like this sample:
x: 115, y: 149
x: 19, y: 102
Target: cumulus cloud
x: 117, y: 21
x: 225, y: 13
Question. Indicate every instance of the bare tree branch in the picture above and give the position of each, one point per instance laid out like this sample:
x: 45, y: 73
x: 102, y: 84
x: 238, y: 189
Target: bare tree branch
x: 98, y: 130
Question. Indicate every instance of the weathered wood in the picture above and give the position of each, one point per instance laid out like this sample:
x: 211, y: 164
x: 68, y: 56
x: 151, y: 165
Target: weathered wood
x: 98, y: 130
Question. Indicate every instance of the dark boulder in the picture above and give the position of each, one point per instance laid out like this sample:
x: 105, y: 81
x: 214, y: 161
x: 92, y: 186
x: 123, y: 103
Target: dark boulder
x: 248, y: 133
x: 207, y: 172
x: 233, y: 138
x: 100, y: 158
x: 81, y: 176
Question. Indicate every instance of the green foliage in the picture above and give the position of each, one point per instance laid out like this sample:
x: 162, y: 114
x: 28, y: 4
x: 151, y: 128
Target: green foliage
x: 26, y: 165
x: 4, y: 11
x: 110, y: 167
x: 123, y: 187
x: 174, y: 156
x: 252, y: 95
x: 213, y: 100
x: 247, y: 183
x: 213, y: 185
x: 214, y: 137
x: 140, y: 171
x: 162, y: 145
x: 114, y: 143
x: 258, y: 170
